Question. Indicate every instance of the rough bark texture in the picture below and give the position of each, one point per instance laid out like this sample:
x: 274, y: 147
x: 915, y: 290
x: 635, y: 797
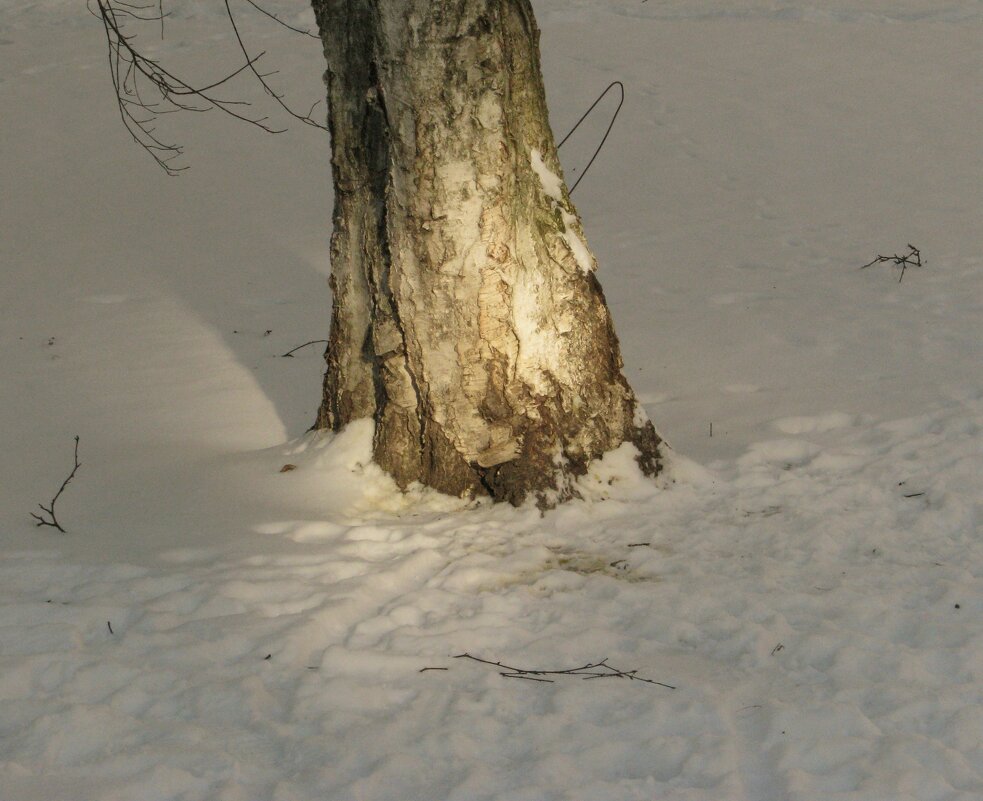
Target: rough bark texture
x: 467, y: 320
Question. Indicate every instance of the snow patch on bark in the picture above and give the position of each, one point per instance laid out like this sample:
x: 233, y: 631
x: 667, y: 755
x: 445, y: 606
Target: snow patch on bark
x: 577, y: 245
x: 553, y: 187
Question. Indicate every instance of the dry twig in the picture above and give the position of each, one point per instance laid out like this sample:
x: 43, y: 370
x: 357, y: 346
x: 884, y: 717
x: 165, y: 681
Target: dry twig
x: 913, y: 258
x: 592, y: 670
x: 586, y: 114
x: 307, y: 119
x: 290, y: 353
x: 50, y: 508
x: 146, y: 90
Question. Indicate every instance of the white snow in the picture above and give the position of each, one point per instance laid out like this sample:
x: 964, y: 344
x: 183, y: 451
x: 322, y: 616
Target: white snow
x: 552, y: 185
x: 809, y: 577
x: 580, y: 252
x: 553, y: 188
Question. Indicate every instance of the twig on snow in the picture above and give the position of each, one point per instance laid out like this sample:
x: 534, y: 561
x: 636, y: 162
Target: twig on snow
x: 50, y: 508
x: 913, y: 258
x: 290, y: 353
x: 592, y: 670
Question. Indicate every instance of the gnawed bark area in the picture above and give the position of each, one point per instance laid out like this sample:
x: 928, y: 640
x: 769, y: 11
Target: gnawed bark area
x: 467, y: 320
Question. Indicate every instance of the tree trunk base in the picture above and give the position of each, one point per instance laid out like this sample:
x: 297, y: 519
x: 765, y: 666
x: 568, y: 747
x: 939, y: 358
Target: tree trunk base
x: 467, y: 321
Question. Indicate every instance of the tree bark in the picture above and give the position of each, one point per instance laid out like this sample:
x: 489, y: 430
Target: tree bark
x: 467, y: 320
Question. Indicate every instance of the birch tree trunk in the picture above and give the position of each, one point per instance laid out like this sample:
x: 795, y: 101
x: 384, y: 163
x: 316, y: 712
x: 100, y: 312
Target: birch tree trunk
x: 467, y: 320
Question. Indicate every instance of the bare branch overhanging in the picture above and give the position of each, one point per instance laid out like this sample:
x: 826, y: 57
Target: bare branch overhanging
x: 146, y: 90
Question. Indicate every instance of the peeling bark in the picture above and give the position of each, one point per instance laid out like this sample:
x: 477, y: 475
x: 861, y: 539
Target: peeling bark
x: 467, y: 320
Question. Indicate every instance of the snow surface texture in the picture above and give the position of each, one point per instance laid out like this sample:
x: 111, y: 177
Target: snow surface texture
x: 810, y: 578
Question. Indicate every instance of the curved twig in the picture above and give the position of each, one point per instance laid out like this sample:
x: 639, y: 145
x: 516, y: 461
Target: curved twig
x: 290, y: 353
x: 604, y: 138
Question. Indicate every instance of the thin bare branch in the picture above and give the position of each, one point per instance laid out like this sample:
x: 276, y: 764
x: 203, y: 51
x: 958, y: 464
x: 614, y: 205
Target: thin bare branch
x: 279, y: 21
x: 50, y: 508
x: 913, y: 258
x: 278, y: 98
x: 586, y: 114
x: 592, y: 670
x: 290, y: 353
x: 145, y: 89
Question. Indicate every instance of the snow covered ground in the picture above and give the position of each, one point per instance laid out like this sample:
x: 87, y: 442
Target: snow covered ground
x: 809, y: 578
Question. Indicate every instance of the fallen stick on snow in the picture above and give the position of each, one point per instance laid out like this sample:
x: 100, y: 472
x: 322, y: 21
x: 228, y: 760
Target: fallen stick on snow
x: 913, y: 258
x: 592, y: 670
x: 50, y: 508
x: 290, y: 353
